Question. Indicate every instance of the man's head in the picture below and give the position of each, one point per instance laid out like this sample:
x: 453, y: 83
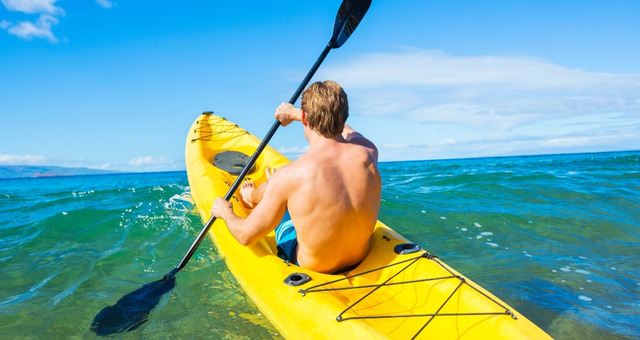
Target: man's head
x: 326, y: 108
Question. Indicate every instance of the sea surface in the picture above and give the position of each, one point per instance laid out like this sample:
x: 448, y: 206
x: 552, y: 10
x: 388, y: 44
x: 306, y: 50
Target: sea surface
x: 556, y: 237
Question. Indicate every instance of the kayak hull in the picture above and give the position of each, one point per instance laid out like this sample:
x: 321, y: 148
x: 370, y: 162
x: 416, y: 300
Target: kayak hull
x: 388, y: 295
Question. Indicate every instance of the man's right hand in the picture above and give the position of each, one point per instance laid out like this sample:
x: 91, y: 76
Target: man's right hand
x: 287, y: 113
x: 221, y: 208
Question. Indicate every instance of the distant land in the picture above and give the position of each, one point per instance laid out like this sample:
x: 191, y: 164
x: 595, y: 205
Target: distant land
x: 28, y: 171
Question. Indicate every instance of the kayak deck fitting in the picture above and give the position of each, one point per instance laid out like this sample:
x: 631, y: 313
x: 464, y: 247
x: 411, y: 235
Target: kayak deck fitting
x: 398, y: 291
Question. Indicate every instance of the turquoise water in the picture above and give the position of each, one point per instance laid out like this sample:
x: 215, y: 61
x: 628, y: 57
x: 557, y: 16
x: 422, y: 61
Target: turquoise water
x: 556, y: 237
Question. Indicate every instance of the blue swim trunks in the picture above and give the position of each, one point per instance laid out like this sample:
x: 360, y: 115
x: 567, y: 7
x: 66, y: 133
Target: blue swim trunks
x: 287, y: 241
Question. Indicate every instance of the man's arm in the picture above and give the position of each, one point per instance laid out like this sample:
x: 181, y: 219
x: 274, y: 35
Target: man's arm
x: 287, y: 113
x: 264, y: 217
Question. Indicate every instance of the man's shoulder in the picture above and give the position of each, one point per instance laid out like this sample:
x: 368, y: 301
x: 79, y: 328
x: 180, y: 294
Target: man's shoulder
x: 356, y: 138
x: 301, y: 169
x: 292, y: 170
x: 301, y: 165
x: 364, y: 144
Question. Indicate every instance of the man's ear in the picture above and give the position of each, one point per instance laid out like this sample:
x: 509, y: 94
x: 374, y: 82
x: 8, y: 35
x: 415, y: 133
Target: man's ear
x: 304, y: 118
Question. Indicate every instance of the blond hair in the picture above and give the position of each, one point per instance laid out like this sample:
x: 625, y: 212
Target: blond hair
x: 326, y: 107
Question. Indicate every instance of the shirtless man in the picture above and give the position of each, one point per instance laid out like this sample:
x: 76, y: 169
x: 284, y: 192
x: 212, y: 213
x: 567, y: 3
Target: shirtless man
x: 332, y: 192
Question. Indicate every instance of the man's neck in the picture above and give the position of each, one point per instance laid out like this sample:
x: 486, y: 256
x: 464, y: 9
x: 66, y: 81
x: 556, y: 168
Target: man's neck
x: 316, y: 139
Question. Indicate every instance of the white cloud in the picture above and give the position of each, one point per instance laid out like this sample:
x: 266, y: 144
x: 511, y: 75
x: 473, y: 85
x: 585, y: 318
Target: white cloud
x: 391, y: 146
x: 445, y: 142
x: 493, y: 92
x: 39, y: 29
x: 33, y: 6
x: 104, y: 166
x: 150, y: 164
x: 293, y: 152
x: 47, y: 12
x: 105, y: 3
x: 590, y: 139
x: 149, y: 160
x: 22, y: 159
x: 581, y: 140
x: 421, y: 104
x: 434, y: 68
x: 139, y: 164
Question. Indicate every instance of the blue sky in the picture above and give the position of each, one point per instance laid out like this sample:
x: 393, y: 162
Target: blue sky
x: 117, y: 84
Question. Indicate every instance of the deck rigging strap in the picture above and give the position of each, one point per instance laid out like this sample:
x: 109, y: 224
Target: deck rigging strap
x: 219, y: 128
x: 411, y: 261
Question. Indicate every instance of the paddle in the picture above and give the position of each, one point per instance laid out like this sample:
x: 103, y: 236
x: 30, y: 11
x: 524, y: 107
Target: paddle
x: 133, y: 309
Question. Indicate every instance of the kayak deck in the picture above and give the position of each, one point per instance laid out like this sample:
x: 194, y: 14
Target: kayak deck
x: 398, y: 291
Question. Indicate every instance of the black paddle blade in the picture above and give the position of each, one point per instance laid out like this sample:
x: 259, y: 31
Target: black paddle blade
x: 349, y: 16
x: 133, y: 309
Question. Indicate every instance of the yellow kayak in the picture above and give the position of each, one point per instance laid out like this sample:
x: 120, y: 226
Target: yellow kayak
x: 398, y: 291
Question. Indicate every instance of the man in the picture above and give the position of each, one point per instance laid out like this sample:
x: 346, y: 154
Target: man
x: 332, y: 192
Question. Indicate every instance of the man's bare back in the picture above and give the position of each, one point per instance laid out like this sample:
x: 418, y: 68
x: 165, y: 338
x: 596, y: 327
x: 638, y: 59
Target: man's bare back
x: 332, y: 193
x: 333, y: 201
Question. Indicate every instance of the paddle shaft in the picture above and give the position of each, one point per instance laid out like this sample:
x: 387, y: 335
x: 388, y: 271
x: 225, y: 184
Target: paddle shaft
x: 253, y: 159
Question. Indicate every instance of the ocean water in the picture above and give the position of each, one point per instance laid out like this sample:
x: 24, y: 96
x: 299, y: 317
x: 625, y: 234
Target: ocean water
x: 556, y: 237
